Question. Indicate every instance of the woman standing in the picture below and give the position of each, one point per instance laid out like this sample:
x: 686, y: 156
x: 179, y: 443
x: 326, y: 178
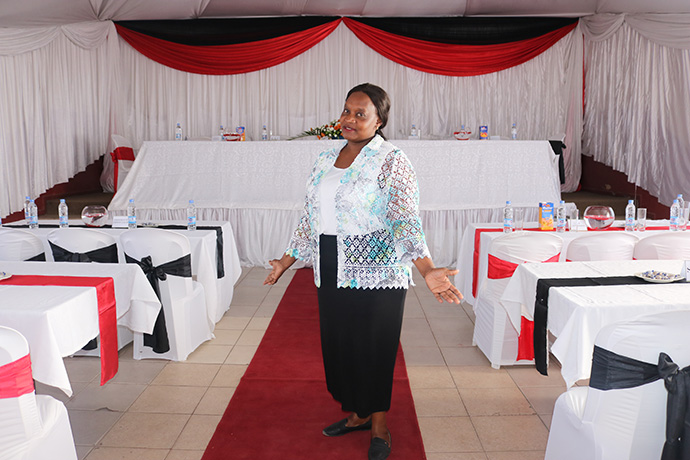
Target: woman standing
x: 362, y: 232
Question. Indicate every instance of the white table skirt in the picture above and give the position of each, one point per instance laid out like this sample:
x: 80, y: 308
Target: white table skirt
x: 259, y: 187
x: 463, y: 280
x: 218, y: 292
x: 576, y: 314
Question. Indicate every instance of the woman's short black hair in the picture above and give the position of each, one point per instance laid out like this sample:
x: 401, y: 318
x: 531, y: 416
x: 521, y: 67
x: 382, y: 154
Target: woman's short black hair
x: 379, y: 98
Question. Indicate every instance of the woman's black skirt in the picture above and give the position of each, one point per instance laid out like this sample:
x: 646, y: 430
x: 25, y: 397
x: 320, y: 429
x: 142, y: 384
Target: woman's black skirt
x: 360, y: 334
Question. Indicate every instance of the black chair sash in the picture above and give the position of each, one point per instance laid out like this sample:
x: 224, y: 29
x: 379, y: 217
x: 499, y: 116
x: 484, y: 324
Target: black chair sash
x: 541, y: 308
x: 158, y: 340
x: 37, y: 258
x: 220, y: 263
x: 107, y: 254
x: 611, y: 371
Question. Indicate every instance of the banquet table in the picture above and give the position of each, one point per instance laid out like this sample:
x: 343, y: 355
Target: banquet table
x: 473, y: 250
x: 59, y: 320
x: 576, y: 314
x: 203, y: 243
x: 259, y: 187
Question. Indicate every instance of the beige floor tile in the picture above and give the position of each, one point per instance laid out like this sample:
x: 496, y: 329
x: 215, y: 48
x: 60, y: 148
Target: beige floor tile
x: 251, y: 337
x: 449, y: 434
x: 413, y: 311
x: 266, y: 310
x: 423, y: 356
x: 197, y: 433
x: 209, y: 353
x: 433, y: 309
x: 127, y: 453
x: 83, y: 451
x: 185, y: 455
x: 505, y: 433
x: 43, y: 389
x: 430, y: 377
x: 495, y: 401
x: 83, y: 368
x: 232, y: 322
x: 241, y: 354
x: 469, y: 311
x: 438, y: 402
x: 241, y: 311
x: 169, y: 399
x: 138, y: 371
x: 215, y: 401
x: 89, y: 426
x: 258, y: 324
x: 523, y: 455
x: 187, y: 374
x: 229, y: 375
x: 480, y: 377
x: 249, y: 295
x: 546, y: 418
x: 226, y: 336
x: 146, y: 430
x: 528, y: 376
x: 464, y: 356
x: 416, y: 332
x: 456, y: 456
x: 542, y: 399
x: 112, y: 396
x: 452, y: 332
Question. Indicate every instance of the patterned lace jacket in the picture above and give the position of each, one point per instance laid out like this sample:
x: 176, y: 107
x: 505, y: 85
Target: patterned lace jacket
x: 379, y: 232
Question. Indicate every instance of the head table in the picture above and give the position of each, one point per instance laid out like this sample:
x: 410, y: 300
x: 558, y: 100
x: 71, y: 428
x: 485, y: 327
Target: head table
x: 259, y: 187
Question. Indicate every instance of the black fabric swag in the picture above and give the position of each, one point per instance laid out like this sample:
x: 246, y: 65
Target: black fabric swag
x: 107, y: 254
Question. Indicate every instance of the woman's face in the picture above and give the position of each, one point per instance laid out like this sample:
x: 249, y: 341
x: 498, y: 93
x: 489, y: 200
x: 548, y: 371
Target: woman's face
x: 359, y: 120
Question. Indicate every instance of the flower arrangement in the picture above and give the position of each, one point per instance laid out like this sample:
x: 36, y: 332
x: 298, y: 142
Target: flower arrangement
x: 328, y: 131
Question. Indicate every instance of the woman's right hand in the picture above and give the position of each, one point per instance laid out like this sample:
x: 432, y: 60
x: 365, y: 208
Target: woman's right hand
x: 278, y: 268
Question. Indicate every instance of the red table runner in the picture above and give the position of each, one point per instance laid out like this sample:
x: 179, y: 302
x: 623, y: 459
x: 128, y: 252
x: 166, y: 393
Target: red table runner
x: 107, y: 313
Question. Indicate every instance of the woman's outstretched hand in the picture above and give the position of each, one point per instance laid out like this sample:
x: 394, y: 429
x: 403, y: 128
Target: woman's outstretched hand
x: 279, y: 266
x: 438, y: 281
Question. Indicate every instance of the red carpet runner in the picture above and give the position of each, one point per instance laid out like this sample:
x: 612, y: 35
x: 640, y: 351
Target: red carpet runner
x: 281, y: 404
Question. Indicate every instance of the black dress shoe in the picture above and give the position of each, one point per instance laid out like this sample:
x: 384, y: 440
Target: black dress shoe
x: 340, y: 428
x: 379, y: 449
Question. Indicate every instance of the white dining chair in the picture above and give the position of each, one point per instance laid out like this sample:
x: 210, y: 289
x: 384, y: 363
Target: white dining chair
x: 184, y: 304
x: 626, y: 423
x: 667, y: 245
x: 20, y: 245
x: 117, y: 165
x: 32, y: 427
x: 611, y: 245
x: 83, y: 240
x: 494, y: 334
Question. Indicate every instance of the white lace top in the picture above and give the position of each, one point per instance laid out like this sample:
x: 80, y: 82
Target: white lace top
x: 379, y: 231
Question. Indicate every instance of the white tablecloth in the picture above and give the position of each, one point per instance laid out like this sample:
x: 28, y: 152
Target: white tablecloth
x: 218, y: 292
x: 576, y: 314
x: 259, y: 186
x: 58, y: 321
x: 464, y: 279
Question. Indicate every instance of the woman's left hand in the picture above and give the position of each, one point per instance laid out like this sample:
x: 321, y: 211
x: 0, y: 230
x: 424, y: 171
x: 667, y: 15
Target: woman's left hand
x: 439, y: 284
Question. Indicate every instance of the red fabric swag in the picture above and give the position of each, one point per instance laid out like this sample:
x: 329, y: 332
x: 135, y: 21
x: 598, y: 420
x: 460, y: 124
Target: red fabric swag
x: 227, y: 59
x: 454, y: 60
x: 16, y: 379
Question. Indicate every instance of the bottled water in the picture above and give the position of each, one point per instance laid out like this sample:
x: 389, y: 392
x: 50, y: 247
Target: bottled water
x: 560, y: 217
x: 508, y: 225
x: 63, y: 215
x: 26, y: 209
x: 32, y: 214
x: 513, y: 132
x: 675, y: 214
x: 191, y: 216
x: 178, y: 132
x: 131, y: 214
x: 221, y: 131
x: 682, y: 223
x: 413, y: 131
x: 630, y: 216
x: 264, y: 134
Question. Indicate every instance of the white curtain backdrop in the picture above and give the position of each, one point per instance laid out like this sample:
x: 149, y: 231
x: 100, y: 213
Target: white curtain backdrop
x: 66, y: 89
x: 637, y: 97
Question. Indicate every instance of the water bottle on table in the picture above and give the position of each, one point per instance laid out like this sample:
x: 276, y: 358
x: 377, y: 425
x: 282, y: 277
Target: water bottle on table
x: 560, y: 217
x: 682, y: 216
x: 26, y: 209
x: 630, y: 216
x: 178, y: 132
x: 264, y: 133
x: 191, y: 216
x: 32, y: 213
x: 508, y: 224
x: 63, y: 216
x: 675, y: 215
x: 513, y: 132
x: 131, y: 214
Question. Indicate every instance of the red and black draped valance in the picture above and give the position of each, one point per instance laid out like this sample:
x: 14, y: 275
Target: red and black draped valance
x: 445, y: 46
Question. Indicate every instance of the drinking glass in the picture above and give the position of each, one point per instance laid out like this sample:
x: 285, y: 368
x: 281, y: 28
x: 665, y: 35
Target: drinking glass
x: 641, y: 223
x: 519, y: 215
x: 573, y: 224
x: 684, y: 214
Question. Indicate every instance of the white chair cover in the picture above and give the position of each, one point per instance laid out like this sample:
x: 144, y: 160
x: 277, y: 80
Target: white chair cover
x: 32, y: 427
x: 624, y: 423
x: 19, y: 245
x: 117, y: 164
x: 183, y: 299
x: 494, y: 334
x: 602, y: 246
x: 80, y: 239
x: 671, y: 245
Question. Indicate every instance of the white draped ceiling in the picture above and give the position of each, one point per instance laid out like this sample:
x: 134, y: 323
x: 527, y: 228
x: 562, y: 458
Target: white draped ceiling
x: 65, y: 89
